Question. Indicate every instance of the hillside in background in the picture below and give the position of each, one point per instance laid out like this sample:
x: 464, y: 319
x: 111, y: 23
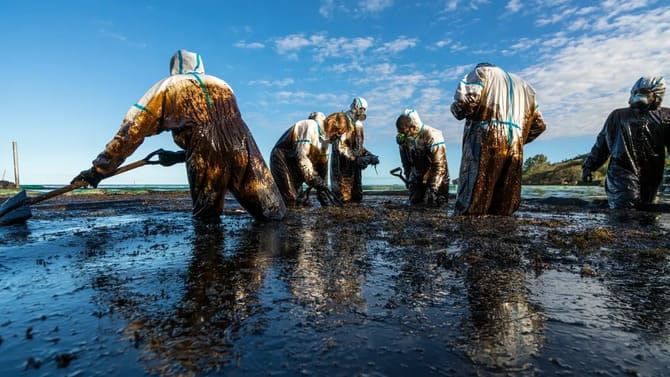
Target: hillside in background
x: 537, y: 170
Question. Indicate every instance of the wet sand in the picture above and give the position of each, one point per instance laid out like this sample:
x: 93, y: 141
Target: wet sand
x: 130, y: 285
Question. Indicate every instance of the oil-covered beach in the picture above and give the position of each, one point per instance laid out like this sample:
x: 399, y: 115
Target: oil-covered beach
x: 130, y: 285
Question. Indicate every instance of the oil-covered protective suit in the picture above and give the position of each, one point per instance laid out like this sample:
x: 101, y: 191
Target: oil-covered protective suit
x: 350, y: 156
x: 501, y: 115
x: 424, y: 159
x: 220, y: 153
x: 301, y: 156
x: 635, y: 139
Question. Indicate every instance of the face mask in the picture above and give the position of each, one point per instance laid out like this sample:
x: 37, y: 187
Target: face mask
x: 640, y: 101
x: 400, y: 138
x: 360, y: 114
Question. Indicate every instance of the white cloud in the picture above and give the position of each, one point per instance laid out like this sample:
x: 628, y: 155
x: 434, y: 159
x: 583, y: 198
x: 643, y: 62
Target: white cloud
x: 299, y: 97
x: 443, y: 43
x: 475, y: 4
x: 359, y: 9
x: 398, y: 45
x: 588, y: 76
x: 273, y: 83
x: 322, y: 47
x: 250, y: 46
x: 584, y: 65
x: 291, y: 43
x: 513, y: 6
x: 374, y: 6
x: 556, y: 17
x: 327, y: 8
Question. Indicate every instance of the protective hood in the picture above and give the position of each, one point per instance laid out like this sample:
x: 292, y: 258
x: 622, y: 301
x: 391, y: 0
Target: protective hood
x: 184, y: 61
x: 647, y: 92
x: 358, y: 108
x: 319, y: 118
x: 414, y: 117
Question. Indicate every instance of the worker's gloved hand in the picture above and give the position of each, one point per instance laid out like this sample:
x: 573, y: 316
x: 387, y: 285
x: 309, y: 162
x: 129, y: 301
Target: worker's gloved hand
x: 363, y: 161
x: 169, y: 158
x: 587, y: 175
x: 90, y: 176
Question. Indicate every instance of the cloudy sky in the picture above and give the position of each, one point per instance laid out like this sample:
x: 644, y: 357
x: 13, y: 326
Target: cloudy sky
x: 71, y: 69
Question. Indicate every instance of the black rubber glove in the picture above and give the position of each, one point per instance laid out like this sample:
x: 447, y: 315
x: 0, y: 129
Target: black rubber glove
x: 169, y: 158
x: 90, y: 176
x: 363, y: 161
x: 587, y: 175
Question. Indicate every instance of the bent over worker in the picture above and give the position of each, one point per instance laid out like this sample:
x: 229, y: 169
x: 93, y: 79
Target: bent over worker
x: 220, y: 153
x: 350, y: 157
x: 424, y: 159
x: 636, y: 141
x: 501, y: 115
x: 301, y: 155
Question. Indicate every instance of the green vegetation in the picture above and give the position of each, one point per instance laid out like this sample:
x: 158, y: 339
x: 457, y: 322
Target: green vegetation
x: 537, y: 170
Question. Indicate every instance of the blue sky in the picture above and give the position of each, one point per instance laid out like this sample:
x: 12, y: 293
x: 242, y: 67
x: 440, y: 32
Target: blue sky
x: 71, y: 69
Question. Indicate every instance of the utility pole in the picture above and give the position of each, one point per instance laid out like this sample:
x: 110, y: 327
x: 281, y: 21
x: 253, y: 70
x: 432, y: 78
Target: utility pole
x: 16, y: 164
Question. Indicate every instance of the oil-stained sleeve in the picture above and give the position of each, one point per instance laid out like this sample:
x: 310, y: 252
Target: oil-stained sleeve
x: 142, y: 119
x: 438, y: 164
x: 306, y: 138
x: 406, y: 163
x: 537, y: 125
x: 467, y: 95
x: 600, y: 151
x: 665, y: 120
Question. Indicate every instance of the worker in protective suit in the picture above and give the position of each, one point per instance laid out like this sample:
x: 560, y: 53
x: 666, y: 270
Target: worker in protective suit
x: 220, y: 153
x: 350, y: 156
x: 301, y: 156
x: 424, y: 159
x: 501, y: 116
x: 635, y: 139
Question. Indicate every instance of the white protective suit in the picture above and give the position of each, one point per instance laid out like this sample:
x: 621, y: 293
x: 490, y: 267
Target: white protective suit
x: 301, y: 156
x: 220, y: 153
x: 501, y: 115
x: 350, y: 156
x: 424, y: 161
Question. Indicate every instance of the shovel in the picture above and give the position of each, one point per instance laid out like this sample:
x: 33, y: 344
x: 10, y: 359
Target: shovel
x: 16, y: 209
x: 397, y: 172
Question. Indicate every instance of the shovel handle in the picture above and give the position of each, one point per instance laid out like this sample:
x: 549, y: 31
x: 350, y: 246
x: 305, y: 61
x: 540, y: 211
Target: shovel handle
x: 79, y: 184
x: 397, y: 172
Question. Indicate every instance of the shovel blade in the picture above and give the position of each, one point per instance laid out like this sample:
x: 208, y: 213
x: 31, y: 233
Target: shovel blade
x: 18, y: 215
x: 15, y: 209
x: 13, y: 202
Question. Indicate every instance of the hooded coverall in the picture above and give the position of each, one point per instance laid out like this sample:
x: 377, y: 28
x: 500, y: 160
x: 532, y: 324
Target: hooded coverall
x: 300, y: 156
x: 201, y: 112
x: 346, y: 175
x: 424, y: 161
x: 636, y: 141
x: 501, y: 115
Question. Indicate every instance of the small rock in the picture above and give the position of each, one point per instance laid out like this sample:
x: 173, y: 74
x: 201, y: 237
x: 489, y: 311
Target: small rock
x: 63, y: 359
x: 588, y: 271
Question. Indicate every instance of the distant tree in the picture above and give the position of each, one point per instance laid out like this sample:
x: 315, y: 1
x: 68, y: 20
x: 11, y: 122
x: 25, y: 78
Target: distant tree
x: 537, y: 161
